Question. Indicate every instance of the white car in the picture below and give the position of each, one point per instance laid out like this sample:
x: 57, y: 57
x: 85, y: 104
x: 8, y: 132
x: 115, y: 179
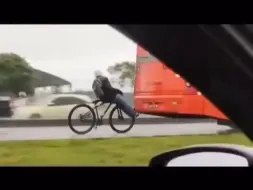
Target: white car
x: 55, y: 106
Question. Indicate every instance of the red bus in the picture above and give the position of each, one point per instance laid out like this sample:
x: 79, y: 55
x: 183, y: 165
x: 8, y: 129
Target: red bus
x: 160, y: 91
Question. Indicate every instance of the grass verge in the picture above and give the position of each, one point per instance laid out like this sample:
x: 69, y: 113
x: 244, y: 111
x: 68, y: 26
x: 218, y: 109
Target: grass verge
x: 103, y: 152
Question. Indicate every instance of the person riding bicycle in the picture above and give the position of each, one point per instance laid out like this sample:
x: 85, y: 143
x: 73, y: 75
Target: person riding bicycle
x: 107, y: 94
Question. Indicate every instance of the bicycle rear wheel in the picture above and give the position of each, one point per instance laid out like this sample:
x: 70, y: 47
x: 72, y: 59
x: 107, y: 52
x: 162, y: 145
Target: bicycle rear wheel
x: 85, y: 118
x: 116, y: 115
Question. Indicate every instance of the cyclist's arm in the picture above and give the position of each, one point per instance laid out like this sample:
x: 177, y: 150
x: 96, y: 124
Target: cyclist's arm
x: 117, y: 91
x: 120, y: 92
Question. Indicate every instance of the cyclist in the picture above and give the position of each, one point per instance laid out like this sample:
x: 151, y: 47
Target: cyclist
x: 107, y: 94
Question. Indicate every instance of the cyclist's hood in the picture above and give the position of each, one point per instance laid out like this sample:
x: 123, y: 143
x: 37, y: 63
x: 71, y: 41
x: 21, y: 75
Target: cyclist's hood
x: 217, y: 59
x: 98, y: 73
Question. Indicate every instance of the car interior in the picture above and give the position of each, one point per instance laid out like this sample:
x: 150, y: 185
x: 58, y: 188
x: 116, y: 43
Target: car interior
x: 217, y: 59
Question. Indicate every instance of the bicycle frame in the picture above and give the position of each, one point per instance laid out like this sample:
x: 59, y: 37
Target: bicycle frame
x: 96, y: 110
x: 100, y: 118
x: 96, y: 119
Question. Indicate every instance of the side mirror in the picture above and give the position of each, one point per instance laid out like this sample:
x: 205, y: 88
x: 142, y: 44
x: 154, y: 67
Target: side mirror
x: 51, y: 104
x: 216, y: 155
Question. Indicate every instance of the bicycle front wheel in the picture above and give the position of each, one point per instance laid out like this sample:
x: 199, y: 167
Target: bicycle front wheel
x: 120, y: 122
x: 81, y: 119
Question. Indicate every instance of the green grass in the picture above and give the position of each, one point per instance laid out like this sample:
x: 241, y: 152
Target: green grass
x: 104, y: 152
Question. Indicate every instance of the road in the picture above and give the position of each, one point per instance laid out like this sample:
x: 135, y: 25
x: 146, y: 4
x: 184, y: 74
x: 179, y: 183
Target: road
x: 43, y: 133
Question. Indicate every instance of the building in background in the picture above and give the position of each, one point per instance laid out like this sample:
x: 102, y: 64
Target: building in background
x: 46, y: 83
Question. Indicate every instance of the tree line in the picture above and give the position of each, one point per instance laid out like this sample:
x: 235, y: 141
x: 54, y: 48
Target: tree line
x: 16, y: 74
x: 124, y: 70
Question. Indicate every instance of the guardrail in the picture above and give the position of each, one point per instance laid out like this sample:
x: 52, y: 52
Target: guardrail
x: 64, y: 122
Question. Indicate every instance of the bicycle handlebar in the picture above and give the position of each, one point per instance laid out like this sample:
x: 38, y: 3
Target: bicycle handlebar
x: 96, y: 101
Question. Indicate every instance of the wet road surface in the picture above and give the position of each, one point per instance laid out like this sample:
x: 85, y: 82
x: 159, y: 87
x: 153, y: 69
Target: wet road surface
x: 51, y: 132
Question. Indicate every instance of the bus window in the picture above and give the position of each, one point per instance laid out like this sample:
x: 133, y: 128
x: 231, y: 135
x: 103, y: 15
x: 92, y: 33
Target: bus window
x: 149, y: 72
x: 142, y: 52
x: 148, y: 59
x: 144, y: 56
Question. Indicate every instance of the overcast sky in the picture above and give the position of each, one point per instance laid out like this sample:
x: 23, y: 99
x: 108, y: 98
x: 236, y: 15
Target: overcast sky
x: 72, y: 52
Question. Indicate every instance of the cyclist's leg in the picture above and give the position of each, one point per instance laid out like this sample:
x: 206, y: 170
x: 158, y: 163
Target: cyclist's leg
x: 119, y: 100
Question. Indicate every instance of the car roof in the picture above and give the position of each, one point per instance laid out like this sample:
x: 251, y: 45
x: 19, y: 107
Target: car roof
x: 217, y: 59
x: 47, y: 99
x: 84, y: 97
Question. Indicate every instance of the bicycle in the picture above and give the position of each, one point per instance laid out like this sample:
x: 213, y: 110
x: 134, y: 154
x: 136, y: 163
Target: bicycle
x: 96, y: 119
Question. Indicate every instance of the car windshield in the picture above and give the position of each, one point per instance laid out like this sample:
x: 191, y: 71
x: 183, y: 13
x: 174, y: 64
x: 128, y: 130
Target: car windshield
x: 79, y: 63
x: 38, y: 100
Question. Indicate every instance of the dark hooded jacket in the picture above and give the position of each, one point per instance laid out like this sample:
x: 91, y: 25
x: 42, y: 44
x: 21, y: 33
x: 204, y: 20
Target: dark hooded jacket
x: 104, y: 90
